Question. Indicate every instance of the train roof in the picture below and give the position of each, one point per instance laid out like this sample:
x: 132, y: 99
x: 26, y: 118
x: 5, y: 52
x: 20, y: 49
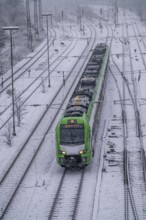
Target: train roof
x: 82, y: 96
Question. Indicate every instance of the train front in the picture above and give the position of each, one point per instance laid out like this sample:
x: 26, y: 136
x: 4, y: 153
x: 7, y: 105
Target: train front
x: 72, y: 142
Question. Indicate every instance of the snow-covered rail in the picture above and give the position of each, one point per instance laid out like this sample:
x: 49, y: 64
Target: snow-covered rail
x: 28, y: 64
x: 35, y: 83
x: 134, y: 157
x: 68, y: 192
x: 17, y: 171
x: 129, y: 199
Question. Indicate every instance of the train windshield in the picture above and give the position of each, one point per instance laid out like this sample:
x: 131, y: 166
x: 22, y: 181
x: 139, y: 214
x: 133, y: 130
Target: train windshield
x: 72, y: 134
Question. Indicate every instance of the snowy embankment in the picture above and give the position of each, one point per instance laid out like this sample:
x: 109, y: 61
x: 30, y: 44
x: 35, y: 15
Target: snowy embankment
x: 103, y: 189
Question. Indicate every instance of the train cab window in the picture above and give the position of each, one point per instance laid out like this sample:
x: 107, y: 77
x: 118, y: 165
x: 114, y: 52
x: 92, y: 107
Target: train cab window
x: 72, y: 134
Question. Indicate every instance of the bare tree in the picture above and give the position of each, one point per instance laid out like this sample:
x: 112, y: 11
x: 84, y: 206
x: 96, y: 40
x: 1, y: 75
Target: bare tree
x: 19, y: 109
x: 8, y: 134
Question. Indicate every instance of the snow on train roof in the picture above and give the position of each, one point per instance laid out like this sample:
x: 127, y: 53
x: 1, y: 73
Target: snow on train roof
x: 87, y: 83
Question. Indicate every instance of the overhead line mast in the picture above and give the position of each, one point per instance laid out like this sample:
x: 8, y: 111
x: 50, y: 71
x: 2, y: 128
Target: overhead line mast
x: 29, y: 33
x: 40, y: 16
x: 36, y: 25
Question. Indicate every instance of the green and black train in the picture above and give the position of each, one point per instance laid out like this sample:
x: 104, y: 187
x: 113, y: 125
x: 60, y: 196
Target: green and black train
x: 74, y: 132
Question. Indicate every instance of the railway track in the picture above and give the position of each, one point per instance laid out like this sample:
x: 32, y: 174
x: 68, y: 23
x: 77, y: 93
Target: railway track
x: 138, y: 105
x: 138, y: 118
x: 139, y: 34
x: 28, y: 150
x: 56, y: 210
x: 99, y: 151
x: 128, y: 195
x: 69, y: 201
x: 61, y: 86
x: 35, y: 84
x: 139, y: 156
x: 139, y: 47
x: 28, y: 64
x: 134, y: 160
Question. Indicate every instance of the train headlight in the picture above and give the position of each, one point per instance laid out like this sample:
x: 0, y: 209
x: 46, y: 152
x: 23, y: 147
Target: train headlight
x: 83, y: 151
x: 61, y: 152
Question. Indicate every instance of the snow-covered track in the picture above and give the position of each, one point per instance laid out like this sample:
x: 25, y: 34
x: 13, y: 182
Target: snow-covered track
x: 140, y: 35
x: 129, y: 171
x: 28, y: 64
x: 138, y: 117
x: 68, y: 192
x: 138, y: 107
x: 138, y: 43
x: 36, y: 84
x: 139, y: 161
x: 128, y: 195
x: 17, y: 171
x: 53, y: 100
x: 134, y: 161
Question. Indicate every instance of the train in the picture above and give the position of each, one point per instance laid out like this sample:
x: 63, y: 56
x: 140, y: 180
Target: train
x: 74, y: 131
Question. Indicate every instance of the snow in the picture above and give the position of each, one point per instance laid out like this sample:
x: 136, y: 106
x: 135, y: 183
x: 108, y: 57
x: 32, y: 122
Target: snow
x: 102, y: 196
x: 38, y: 98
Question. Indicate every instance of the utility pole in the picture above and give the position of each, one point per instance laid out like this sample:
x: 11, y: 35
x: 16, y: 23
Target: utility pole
x: 56, y: 15
x: 140, y: 12
x: 47, y: 16
x: 40, y: 16
x: 80, y: 14
x: 116, y: 12
x: 11, y: 29
x: 80, y: 17
x: 83, y: 19
x: 29, y: 33
x: 62, y: 76
x: 36, y: 26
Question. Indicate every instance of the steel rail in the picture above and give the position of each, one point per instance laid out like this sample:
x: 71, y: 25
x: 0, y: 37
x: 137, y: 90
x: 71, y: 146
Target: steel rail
x: 27, y: 68
x: 127, y: 184
x: 34, y: 81
x: 108, y: 37
x: 50, y: 216
x: 143, y: 60
x: 138, y: 111
x: 140, y: 35
x: 137, y: 116
x: 2, y: 178
x: 58, y: 196
x: 4, y: 210
x: 137, y: 107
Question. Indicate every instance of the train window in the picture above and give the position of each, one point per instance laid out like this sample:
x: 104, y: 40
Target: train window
x: 72, y: 135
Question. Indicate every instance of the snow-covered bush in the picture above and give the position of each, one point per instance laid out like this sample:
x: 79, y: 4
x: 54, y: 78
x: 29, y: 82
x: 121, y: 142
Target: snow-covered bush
x: 8, y: 134
x: 20, y: 109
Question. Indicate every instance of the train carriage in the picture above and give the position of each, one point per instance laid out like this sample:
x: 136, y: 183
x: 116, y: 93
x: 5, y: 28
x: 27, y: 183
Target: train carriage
x: 74, y: 132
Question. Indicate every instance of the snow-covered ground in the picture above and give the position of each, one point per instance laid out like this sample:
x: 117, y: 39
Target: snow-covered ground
x: 103, y: 190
